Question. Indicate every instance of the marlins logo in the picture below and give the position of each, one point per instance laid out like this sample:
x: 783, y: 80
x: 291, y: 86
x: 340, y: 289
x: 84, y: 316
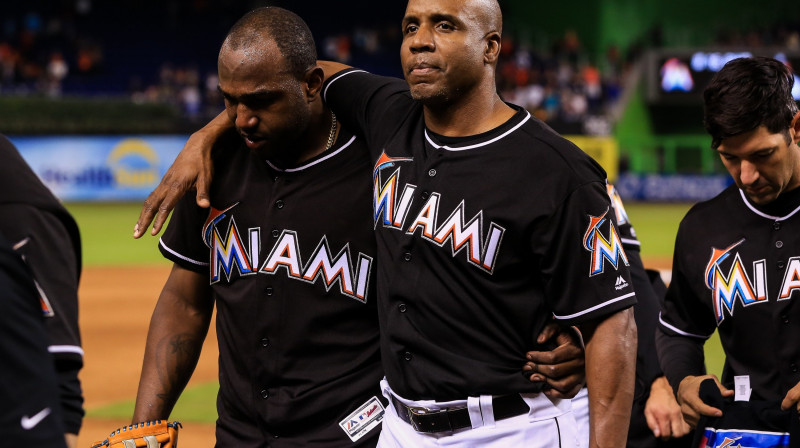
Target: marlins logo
x: 725, y: 288
x: 603, y: 249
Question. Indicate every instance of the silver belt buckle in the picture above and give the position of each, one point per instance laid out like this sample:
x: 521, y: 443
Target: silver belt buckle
x: 415, y: 411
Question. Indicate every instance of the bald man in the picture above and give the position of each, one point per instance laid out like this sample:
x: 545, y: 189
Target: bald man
x: 488, y: 224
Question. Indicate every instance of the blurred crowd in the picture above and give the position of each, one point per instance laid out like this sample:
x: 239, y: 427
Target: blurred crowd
x: 38, y: 51
x: 60, y: 48
x: 562, y: 86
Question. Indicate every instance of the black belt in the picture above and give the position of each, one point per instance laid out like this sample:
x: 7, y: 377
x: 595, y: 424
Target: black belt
x: 448, y: 420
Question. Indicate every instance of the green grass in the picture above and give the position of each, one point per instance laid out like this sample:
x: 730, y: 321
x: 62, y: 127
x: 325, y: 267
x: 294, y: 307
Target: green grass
x: 106, y: 235
x: 656, y: 225
x: 196, y: 404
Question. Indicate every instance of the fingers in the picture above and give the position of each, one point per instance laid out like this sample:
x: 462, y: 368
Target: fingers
x: 560, y: 354
x: 566, y: 387
x: 202, y: 184
x: 660, y: 426
x: 792, y: 398
x: 680, y: 428
x: 168, y: 202
x: 557, y: 370
x: 147, y: 213
x: 550, y: 329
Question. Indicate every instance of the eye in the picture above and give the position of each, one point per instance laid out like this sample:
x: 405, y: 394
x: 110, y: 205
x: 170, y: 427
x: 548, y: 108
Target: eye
x: 764, y: 155
x: 410, y: 28
x: 446, y: 26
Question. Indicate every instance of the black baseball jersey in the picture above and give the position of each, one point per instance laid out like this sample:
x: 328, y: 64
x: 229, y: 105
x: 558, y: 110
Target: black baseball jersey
x: 290, y: 256
x: 45, y: 234
x: 736, y: 269
x: 30, y: 414
x: 480, y: 240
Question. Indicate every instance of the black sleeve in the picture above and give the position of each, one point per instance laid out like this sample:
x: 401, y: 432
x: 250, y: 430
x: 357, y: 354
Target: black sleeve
x: 182, y: 242
x: 30, y: 414
x: 684, y: 323
x: 370, y: 105
x: 585, y: 269
x: 679, y: 356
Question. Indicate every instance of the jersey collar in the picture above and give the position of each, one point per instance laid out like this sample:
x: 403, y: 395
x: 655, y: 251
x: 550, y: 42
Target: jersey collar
x: 320, y: 158
x: 782, y: 208
x: 483, y: 139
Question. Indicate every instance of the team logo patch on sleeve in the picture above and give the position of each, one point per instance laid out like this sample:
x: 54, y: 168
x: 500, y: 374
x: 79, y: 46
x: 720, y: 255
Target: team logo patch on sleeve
x: 603, y: 249
x: 364, y: 419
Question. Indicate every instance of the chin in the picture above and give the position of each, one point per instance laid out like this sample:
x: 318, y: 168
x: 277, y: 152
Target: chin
x: 430, y: 96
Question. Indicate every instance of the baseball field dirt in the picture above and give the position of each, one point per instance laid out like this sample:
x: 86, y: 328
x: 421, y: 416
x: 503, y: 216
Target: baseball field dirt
x: 115, y: 308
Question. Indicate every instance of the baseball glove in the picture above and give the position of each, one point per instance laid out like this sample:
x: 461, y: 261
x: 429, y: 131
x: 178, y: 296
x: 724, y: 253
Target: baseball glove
x: 152, y: 434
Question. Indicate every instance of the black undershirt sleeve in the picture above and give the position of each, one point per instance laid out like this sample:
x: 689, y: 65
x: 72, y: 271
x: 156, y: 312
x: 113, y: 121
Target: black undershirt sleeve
x: 679, y: 356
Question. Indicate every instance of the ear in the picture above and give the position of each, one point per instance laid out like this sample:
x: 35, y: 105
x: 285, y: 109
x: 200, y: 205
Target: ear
x: 491, y: 51
x: 313, y: 82
x: 794, y: 128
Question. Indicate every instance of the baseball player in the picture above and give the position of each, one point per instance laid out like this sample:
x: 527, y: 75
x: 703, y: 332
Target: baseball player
x: 30, y: 414
x: 736, y: 265
x: 46, y: 236
x: 287, y: 254
x: 488, y: 223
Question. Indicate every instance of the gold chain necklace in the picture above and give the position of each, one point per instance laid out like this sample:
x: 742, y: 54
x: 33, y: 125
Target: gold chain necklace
x: 332, y: 135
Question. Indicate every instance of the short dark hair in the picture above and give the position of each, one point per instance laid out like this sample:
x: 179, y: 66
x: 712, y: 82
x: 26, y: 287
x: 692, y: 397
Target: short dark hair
x: 287, y: 29
x: 747, y: 93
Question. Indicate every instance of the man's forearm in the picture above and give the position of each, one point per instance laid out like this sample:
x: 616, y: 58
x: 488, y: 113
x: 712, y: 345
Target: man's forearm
x: 173, y: 348
x: 610, y: 372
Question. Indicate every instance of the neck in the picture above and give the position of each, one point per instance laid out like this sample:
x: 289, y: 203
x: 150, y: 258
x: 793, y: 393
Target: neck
x: 314, y: 140
x: 472, y: 114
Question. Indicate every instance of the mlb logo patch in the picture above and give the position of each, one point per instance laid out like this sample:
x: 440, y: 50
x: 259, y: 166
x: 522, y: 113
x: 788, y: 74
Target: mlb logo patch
x: 363, y: 420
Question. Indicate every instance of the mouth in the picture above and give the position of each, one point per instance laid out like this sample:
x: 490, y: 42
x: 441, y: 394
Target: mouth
x: 252, y: 141
x: 422, y: 68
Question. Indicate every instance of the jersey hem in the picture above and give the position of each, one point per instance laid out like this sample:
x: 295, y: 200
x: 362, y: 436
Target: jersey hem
x: 182, y: 257
x: 596, y: 307
x: 679, y: 331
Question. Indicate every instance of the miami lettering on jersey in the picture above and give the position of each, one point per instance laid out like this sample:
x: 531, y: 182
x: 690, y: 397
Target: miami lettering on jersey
x: 603, y: 249
x: 727, y: 285
x: 460, y: 234
x: 228, y: 251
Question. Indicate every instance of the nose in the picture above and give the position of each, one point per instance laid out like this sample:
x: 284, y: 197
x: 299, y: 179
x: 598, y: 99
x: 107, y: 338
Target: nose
x: 748, y: 173
x: 422, y: 40
x: 245, y: 118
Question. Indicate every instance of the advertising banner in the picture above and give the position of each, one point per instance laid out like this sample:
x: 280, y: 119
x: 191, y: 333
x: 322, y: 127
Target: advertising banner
x: 105, y: 168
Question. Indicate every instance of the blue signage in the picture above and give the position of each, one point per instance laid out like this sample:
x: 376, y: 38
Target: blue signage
x: 84, y: 168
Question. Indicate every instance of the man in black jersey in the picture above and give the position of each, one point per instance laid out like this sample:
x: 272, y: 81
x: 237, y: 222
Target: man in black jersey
x: 285, y: 251
x: 488, y: 223
x: 46, y: 236
x: 737, y: 256
x: 30, y: 412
